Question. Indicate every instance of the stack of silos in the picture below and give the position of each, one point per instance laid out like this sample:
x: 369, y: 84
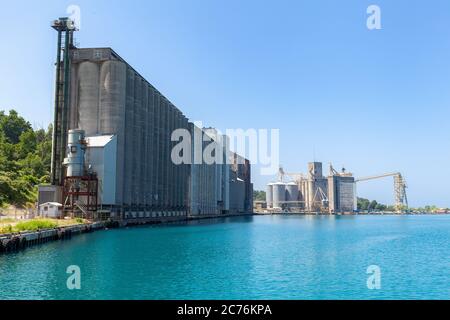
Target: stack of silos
x: 109, y: 97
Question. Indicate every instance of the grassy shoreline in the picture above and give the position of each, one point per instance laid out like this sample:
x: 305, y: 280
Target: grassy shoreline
x: 10, y: 225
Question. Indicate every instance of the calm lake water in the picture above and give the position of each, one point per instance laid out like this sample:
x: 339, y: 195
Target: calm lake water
x: 262, y: 257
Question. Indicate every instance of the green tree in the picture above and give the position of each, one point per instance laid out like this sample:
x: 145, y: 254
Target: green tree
x: 13, y: 126
x: 259, y: 195
x: 27, y: 143
x: 363, y: 204
x: 366, y: 204
x: 24, y: 159
x: 373, y: 205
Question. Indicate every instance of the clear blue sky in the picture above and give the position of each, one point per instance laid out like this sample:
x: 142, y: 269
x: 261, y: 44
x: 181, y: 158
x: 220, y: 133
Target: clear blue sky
x: 374, y: 101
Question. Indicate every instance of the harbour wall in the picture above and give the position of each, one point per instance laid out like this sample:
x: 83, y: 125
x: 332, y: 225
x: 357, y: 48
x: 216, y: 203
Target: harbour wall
x: 10, y: 243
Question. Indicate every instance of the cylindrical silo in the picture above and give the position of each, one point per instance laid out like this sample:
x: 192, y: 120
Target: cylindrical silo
x: 269, y: 195
x: 157, y: 151
x: 279, y: 195
x: 180, y: 170
x: 113, y: 79
x: 75, y: 156
x: 88, y: 103
x: 160, y: 146
x: 292, y: 194
x: 152, y: 149
x: 112, y: 96
x: 128, y: 135
x: 311, y: 194
x: 137, y: 140
x: 171, y: 126
x: 164, y: 145
x: 145, y: 182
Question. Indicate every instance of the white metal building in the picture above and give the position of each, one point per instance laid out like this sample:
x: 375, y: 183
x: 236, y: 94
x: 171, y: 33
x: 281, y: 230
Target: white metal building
x: 50, y: 210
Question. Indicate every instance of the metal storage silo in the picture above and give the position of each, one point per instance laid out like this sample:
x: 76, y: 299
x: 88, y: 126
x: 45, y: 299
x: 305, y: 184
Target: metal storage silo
x: 75, y: 156
x: 292, y: 193
x: 88, y: 103
x: 279, y: 195
x: 269, y: 195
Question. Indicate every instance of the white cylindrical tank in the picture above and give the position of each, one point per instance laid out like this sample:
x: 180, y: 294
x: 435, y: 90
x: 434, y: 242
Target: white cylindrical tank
x: 292, y: 193
x: 269, y: 195
x: 279, y: 194
x: 75, y: 153
x: 88, y: 103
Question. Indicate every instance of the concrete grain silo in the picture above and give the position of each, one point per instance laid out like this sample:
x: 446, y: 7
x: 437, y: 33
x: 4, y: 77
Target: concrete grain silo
x: 88, y: 97
x: 112, y: 112
x: 279, y: 195
x: 112, y: 96
x: 128, y: 124
x: 269, y: 195
x: 108, y: 97
x: 292, y: 194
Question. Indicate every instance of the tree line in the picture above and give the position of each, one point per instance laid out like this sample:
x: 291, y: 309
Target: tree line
x: 368, y: 205
x: 25, y: 157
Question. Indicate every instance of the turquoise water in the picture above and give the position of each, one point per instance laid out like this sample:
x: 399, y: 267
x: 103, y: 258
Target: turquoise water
x: 262, y: 257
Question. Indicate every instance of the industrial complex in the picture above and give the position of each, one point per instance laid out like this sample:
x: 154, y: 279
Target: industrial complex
x: 112, y: 146
x: 316, y: 193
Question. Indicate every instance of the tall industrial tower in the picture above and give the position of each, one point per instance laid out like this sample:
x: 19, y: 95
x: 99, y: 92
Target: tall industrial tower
x: 401, y: 200
x: 65, y: 28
